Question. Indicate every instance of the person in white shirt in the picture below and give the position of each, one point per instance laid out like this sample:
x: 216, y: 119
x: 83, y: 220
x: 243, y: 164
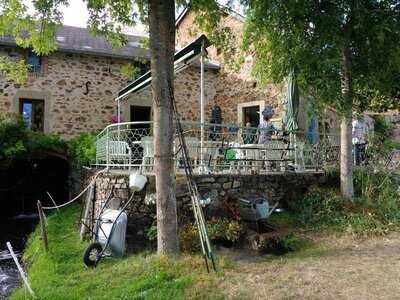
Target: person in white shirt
x: 360, y: 141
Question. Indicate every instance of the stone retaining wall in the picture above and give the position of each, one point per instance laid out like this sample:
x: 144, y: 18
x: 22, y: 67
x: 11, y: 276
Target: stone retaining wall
x: 282, y: 187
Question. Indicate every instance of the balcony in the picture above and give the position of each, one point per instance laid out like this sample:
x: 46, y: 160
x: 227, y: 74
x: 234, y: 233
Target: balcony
x: 225, y: 149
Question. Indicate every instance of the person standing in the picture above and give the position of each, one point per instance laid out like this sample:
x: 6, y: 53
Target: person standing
x: 266, y: 128
x: 359, y: 134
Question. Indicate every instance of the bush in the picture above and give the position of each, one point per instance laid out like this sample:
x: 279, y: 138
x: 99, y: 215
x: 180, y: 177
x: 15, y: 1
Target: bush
x: 280, y: 245
x: 222, y: 230
x: 82, y: 149
x: 374, y: 210
x: 381, y: 143
x: 16, y: 140
x: 12, y: 137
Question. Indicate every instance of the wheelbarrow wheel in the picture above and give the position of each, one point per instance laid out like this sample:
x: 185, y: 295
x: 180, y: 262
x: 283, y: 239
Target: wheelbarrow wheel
x: 92, y: 255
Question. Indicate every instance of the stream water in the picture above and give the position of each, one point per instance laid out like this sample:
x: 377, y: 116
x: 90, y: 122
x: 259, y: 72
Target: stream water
x: 16, y: 231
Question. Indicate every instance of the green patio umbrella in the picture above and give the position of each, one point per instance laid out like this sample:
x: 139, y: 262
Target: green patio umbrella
x: 291, y: 111
x: 292, y: 103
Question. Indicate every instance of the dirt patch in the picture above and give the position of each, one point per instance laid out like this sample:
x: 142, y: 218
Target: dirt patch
x: 334, y: 268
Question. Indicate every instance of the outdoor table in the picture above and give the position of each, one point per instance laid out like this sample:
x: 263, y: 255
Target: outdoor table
x: 255, y: 156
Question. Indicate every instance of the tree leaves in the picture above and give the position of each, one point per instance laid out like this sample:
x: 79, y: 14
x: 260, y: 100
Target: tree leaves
x: 14, y: 70
x: 310, y: 36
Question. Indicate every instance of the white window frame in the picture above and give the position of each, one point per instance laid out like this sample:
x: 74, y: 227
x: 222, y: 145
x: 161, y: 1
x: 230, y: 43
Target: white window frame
x: 240, y: 106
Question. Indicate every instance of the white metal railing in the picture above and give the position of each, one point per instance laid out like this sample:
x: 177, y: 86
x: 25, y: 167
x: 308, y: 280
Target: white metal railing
x: 225, y: 149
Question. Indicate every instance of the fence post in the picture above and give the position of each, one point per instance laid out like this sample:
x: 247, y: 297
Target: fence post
x: 42, y: 226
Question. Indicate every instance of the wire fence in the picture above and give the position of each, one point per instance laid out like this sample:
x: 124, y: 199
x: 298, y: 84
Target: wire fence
x: 225, y: 149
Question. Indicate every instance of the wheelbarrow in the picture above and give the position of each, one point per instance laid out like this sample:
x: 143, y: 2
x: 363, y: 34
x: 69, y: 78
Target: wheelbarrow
x: 110, y: 231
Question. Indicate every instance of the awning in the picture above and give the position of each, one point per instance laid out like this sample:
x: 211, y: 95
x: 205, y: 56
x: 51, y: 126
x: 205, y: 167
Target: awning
x: 181, y: 59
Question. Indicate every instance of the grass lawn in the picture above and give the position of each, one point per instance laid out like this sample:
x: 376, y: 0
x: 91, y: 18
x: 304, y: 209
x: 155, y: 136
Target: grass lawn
x: 61, y: 274
x: 327, y: 265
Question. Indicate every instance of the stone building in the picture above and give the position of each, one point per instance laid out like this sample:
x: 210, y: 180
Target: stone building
x: 73, y: 89
x: 235, y: 92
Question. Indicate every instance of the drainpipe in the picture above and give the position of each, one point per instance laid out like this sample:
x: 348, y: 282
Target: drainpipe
x: 202, y: 108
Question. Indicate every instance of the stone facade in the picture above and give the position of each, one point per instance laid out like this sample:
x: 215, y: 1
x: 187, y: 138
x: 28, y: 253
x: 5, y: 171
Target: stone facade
x: 235, y: 89
x: 70, y: 108
x: 187, y: 94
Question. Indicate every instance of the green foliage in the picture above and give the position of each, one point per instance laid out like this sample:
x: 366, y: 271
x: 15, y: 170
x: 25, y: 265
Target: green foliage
x: 188, y: 239
x: 151, y: 233
x: 139, y: 276
x: 374, y: 210
x: 14, y: 70
x: 312, y: 37
x: 130, y: 71
x: 108, y: 17
x: 381, y: 143
x: 224, y: 229
x: 82, y: 149
x: 290, y: 243
x: 208, y: 18
x: 382, y: 129
x: 218, y: 229
x: 12, y: 136
x: 282, y: 244
x: 17, y: 141
x: 34, y: 28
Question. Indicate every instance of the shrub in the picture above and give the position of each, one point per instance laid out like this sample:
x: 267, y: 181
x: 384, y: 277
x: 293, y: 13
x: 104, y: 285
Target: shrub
x: 374, y: 210
x: 16, y: 140
x: 381, y: 143
x: 82, y: 149
x: 12, y: 137
x: 282, y: 244
x: 218, y: 229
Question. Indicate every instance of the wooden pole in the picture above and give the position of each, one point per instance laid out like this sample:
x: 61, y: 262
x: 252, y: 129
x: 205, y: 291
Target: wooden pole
x: 42, y: 226
x: 54, y: 202
x: 21, y: 271
x: 85, y: 220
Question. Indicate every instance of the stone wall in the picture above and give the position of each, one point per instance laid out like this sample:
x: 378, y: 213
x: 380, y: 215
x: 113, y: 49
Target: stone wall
x: 187, y: 94
x: 114, y: 187
x: 281, y: 187
x: 68, y: 109
x: 235, y: 88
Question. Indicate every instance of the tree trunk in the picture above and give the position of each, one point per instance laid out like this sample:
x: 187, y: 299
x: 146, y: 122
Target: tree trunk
x: 346, y: 158
x: 162, y: 48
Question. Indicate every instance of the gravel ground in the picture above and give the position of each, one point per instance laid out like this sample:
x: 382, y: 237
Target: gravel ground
x: 333, y: 268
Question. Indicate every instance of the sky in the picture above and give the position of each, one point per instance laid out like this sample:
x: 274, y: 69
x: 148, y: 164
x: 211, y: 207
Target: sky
x: 76, y: 14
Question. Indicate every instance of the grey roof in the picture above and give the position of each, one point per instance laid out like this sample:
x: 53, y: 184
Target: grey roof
x: 78, y: 40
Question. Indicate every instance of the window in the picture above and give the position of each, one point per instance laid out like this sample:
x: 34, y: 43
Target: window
x: 32, y: 112
x: 251, y: 114
x: 35, y: 62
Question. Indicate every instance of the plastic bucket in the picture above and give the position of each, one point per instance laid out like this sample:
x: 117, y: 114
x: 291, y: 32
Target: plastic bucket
x: 137, y: 181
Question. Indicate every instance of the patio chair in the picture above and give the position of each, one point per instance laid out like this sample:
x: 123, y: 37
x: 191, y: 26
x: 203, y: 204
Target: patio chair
x: 300, y: 162
x: 101, y: 150
x: 120, y: 152
x: 148, y: 154
x: 193, y: 147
